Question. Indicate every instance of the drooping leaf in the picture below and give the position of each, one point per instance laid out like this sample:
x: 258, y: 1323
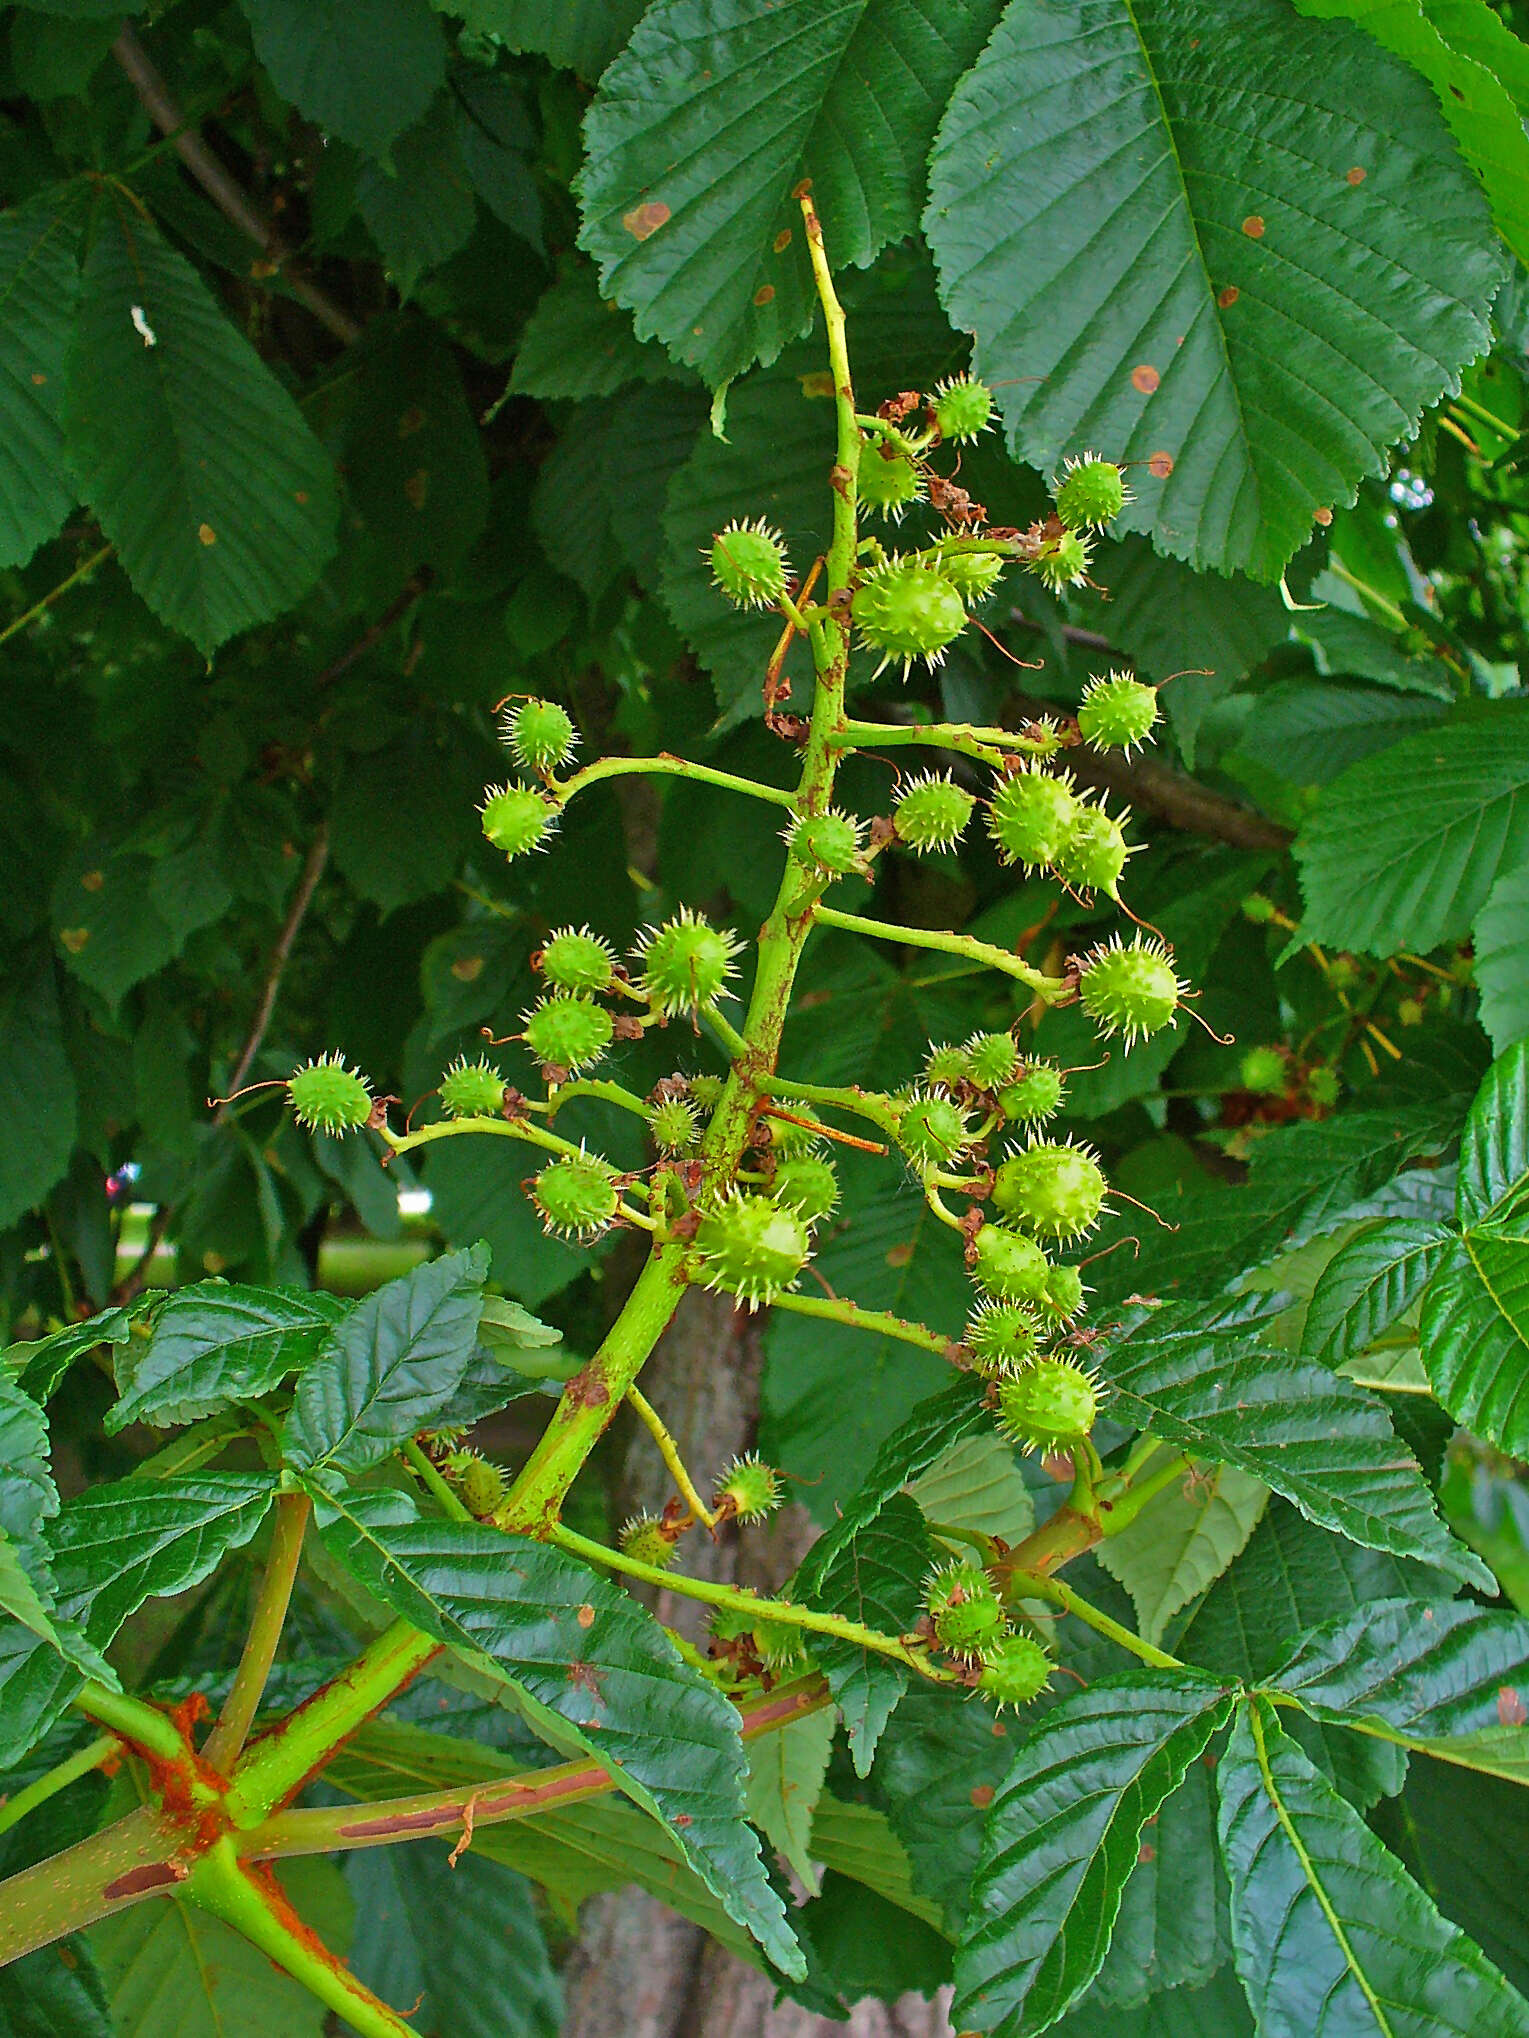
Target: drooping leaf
x: 1447, y: 1677
x: 877, y: 1579
x: 1329, y: 1931
x: 109, y: 932
x: 1405, y: 848
x: 1062, y: 1837
x: 40, y: 1363
x: 1154, y: 219
x: 786, y: 1771
x: 37, y: 1093
x: 1182, y: 1541
x: 706, y: 244
x: 389, y: 1367
x: 214, y: 1344
x: 582, y: 1648
x: 1474, y: 1334
x: 1371, y: 1283
x: 363, y: 69
x: 420, y: 210
x: 39, y: 286
x: 1197, y: 1379
x: 1501, y: 946
x: 195, y: 460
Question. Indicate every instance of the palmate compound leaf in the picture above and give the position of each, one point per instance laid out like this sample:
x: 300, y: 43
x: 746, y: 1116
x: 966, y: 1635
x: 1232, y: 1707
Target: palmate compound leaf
x: 1062, y: 1837
x: 39, y: 284
x: 1230, y: 247
x: 548, y: 1626
x: 708, y: 120
x: 215, y: 1343
x: 194, y: 459
x: 1196, y: 1376
x: 1331, y: 1936
x: 1444, y: 1676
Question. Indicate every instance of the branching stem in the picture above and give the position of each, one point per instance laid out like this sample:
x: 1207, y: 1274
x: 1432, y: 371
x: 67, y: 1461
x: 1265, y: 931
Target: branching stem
x: 1052, y: 990
x: 669, y: 1451
x: 290, y: 1522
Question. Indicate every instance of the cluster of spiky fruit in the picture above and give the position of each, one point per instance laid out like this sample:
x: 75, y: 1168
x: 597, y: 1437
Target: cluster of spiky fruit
x: 969, y: 1621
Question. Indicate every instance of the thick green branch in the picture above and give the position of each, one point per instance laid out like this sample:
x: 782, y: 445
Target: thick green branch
x: 290, y: 1522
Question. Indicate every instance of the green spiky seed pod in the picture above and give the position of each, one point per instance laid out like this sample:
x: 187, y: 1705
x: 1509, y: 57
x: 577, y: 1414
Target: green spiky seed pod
x: 1009, y: 1265
x: 540, y: 734
x: 1052, y: 1407
x: 993, y: 1058
x: 1030, y: 816
x: 568, y: 1032
x: 1258, y: 909
x: 947, y: 1068
x: 1036, y: 1096
x: 1016, y: 1671
x: 574, y: 959
x: 748, y: 564
x: 479, y: 1484
x: 1054, y: 1189
x: 644, y: 1541
x: 888, y: 486
x: 1001, y: 1336
x: 329, y: 1097
x: 1092, y: 494
x: 1262, y: 1070
x: 575, y: 1197
x: 973, y: 575
x: 686, y: 963
x: 962, y: 407
x: 1064, y: 563
x: 966, y: 1612
x: 788, y: 1136
x: 1062, y: 1298
x: 516, y: 819
x: 908, y: 611
x: 1117, y: 712
x: 753, y: 1488
x: 472, y: 1089
x: 932, y: 1131
x: 1323, y: 1087
x: 781, y: 1648
x: 931, y: 812
x: 808, y: 1185
x: 826, y: 842
x: 675, y: 1125
x: 707, y: 1091
x: 1092, y: 854
x: 751, y: 1247
x: 1130, y: 988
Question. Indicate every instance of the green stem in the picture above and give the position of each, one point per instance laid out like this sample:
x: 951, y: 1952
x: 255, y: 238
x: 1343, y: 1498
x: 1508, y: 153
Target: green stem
x: 602, y: 1091
x: 666, y: 766
x: 879, y: 1322
x: 500, y: 1128
x: 81, y: 572
x: 290, y: 1523
x: 741, y: 1600
x: 14, y: 1809
x: 1028, y: 1584
x: 142, y: 1726
x: 877, y: 1109
x: 1121, y: 1509
x: 450, y: 1503
x: 725, y: 1031
x: 669, y: 1451
x: 990, y: 745
x: 110, y: 1871
x: 1051, y: 989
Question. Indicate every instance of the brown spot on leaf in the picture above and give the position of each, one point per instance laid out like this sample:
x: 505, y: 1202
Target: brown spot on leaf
x: 585, y: 1615
x: 1146, y: 1851
x: 1000, y: 1731
x: 1253, y: 226
x: 207, y: 534
x: 646, y: 219
x: 782, y: 240
x: 1323, y: 516
x: 1145, y: 377
x: 74, y: 938
x: 982, y: 1796
x: 467, y: 968
x: 411, y: 421
x: 1354, y: 176
x: 1228, y: 297
x: 1510, y: 1707
x: 417, y: 487
x: 300, y: 495
x: 1160, y: 465
x: 92, y: 881
x: 817, y: 383
x: 683, y: 1819
x: 764, y: 293
x: 39, y: 380
x: 900, y: 1255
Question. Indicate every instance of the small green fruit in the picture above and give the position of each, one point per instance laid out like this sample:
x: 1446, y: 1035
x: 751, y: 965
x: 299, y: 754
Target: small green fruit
x: 644, y: 1541
x: 1057, y: 1190
x: 329, y: 1097
x: 576, y: 1197
x: 808, y: 1185
x: 1092, y: 853
x: 973, y: 575
x: 828, y: 842
x: 517, y: 819
x: 1062, y: 1298
x: 1036, y: 1095
x: 1130, y: 989
x: 1052, y: 1407
x: 540, y: 734
x: 993, y: 1059
x: 472, y: 1089
x: 1016, y: 1671
x: 908, y: 611
x: 962, y: 407
x: 675, y: 1125
x: 1322, y: 1086
x: 479, y: 1484
x: 1030, y: 816
x: 947, y: 1068
x: 1064, y: 563
x: 574, y: 959
x: 931, y: 812
x: 791, y: 1136
x: 966, y: 1613
x: 1093, y: 493
x: 686, y: 963
x: 1262, y: 1070
x: 1258, y: 909
x: 1117, y: 712
x: 748, y: 564
x: 707, y: 1091
x: 568, y: 1032
x: 751, y: 1486
x: 1009, y: 1265
x: 751, y: 1247
x: 781, y: 1648
x: 933, y: 1132
x: 888, y: 485
x: 1001, y: 1337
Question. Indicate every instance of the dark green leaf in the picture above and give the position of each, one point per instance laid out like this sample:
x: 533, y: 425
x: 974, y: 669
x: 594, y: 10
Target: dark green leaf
x: 196, y: 461
x: 578, y: 344
x: 581, y: 35
x: 390, y: 1366
x: 580, y: 1647
x: 1218, y: 2010
x: 877, y: 1579
x: 1371, y: 1283
x: 1344, y: 643
x: 37, y: 1094
x: 1405, y: 848
x: 110, y: 933
x: 1172, y: 1929
x: 1454, y: 1829
x: 1447, y: 1677
x: 55, y: 1992
x: 1147, y: 218
x: 1494, y: 1148
x: 39, y: 285
x: 43, y: 1362
x: 1309, y: 732
x: 1501, y: 943
x: 1204, y: 1382
x: 363, y: 69
x: 421, y: 209
x: 215, y: 1345
x: 1474, y: 1335
x: 1330, y: 1933
x: 1063, y: 1836
x: 938, y: 1763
